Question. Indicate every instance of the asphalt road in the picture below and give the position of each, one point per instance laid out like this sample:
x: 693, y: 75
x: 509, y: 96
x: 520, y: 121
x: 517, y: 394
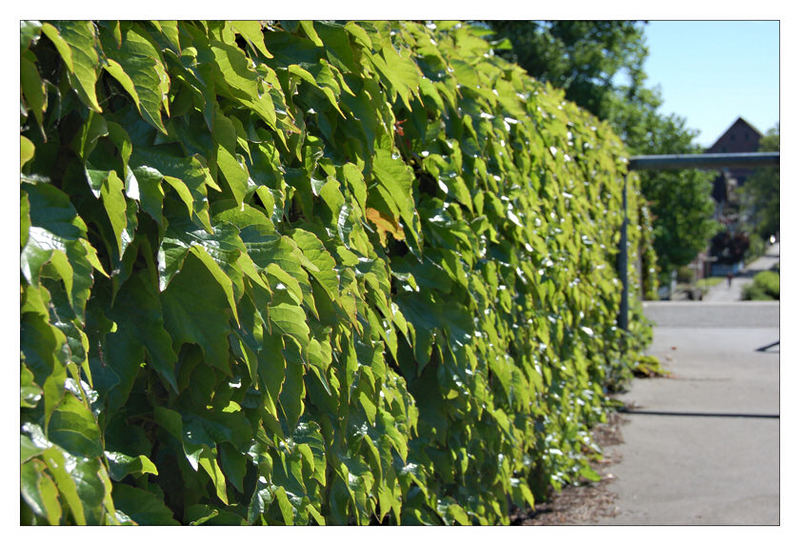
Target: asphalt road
x: 701, y: 447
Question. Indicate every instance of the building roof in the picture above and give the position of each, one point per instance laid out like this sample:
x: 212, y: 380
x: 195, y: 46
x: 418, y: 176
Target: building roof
x: 739, y: 137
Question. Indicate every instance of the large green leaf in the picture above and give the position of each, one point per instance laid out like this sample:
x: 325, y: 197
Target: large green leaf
x: 196, y: 310
x: 290, y: 320
x: 76, y: 41
x: 138, y: 314
x: 56, y: 461
x: 33, y: 88
x: 116, y: 70
x: 234, y: 71
x: 397, y: 178
x: 324, y: 265
x: 139, y: 64
x: 235, y: 173
x: 142, y: 506
x: 252, y: 32
x: 44, y: 349
x: 40, y: 492
x: 73, y: 427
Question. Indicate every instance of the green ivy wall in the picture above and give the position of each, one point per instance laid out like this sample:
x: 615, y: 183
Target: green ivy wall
x: 310, y: 273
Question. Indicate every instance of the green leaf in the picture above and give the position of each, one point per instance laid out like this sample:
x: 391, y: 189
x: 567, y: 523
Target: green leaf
x: 33, y: 88
x: 25, y: 218
x: 359, y: 34
x: 29, y: 32
x: 39, y: 491
x: 73, y: 427
x: 235, y: 173
x: 402, y: 73
x: 54, y: 237
x: 324, y: 265
x: 261, y: 500
x: 29, y: 393
x: 271, y: 370
x: 295, y: 291
x: 199, y: 514
x: 171, y: 421
x: 67, y: 255
x: 252, y: 32
x: 234, y: 465
x: 52, y: 210
x: 235, y: 72
x: 196, y: 310
x: 290, y: 320
x: 121, y: 465
x: 337, y: 46
x: 170, y: 30
x: 94, y: 490
x: 44, y: 351
x: 355, y: 179
x: 141, y: 506
x: 56, y: 463
x: 208, y: 462
x: 329, y: 93
x: 151, y: 195
x: 142, y: 67
x: 111, y: 192
x: 189, y: 176
x: 397, y: 179
x: 119, y: 74
x: 219, y: 276
x: 293, y: 391
x: 26, y: 150
x: 285, y: 506
x: 138, y: 313
x: 76, y: 42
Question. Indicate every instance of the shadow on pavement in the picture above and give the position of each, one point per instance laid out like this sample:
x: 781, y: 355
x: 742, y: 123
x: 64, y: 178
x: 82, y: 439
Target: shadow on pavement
x: 701, y: 414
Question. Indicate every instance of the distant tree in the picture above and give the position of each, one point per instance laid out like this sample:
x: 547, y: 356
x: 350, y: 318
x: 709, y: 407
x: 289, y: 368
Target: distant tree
x: 680, y: 201
x: 581, y: 57
x: 760, y: 193
x: 599, y: 64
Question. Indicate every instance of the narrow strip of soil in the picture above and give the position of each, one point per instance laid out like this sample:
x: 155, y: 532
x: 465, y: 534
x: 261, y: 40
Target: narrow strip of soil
x: 588, y: 502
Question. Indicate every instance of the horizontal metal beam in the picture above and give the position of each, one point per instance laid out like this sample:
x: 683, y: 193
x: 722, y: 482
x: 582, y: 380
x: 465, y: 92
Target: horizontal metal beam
x: 703, y: 161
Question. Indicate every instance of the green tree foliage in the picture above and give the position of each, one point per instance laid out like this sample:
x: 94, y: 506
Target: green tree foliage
x: 581, y: 57
x: 761, y: 191
x: 600, y: 66
x: 680, y: 201
x: 309, y: 273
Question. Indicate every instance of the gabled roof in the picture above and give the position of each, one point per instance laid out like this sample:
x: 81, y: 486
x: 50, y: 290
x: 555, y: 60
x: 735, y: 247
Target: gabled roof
x: 738, y: 126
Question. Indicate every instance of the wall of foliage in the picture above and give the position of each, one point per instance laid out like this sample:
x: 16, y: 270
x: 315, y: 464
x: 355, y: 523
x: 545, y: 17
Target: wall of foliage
x: 309, y: 273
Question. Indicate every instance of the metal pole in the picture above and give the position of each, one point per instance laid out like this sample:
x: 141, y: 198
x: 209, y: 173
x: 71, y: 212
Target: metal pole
x: 622, y: 260
x: 703, y: 161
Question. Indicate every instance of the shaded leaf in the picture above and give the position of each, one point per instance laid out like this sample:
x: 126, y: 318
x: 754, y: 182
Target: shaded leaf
x: 141, y: 506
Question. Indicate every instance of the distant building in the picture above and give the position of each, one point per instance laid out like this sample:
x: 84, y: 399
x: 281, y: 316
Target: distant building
x: 741, y: 137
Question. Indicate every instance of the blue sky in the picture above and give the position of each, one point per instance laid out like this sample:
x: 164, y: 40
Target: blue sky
x: 711, y: 72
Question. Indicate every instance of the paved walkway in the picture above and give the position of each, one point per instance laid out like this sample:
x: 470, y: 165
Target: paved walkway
x: 723, y: 292
x: 701, y: 447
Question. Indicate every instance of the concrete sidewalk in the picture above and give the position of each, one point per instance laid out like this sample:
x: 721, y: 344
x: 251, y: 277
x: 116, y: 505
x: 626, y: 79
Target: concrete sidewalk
x: 701, y: 447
